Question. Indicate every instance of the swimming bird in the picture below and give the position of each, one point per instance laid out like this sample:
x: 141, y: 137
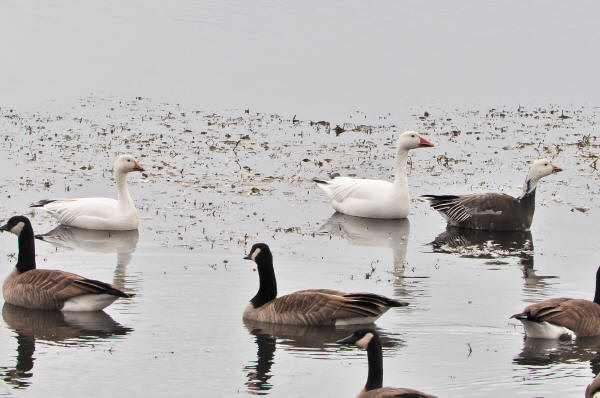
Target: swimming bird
x: 494, y: 211
x: 593, y: 390
x: 376, y: 198
x: 309, y: 307
x: 44, y: 289
x: 99, y: 213
x: 563, y: 317
x: 369, y: 339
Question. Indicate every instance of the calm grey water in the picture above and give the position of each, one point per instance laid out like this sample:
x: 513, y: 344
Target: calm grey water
x: 219, y: 181
x: 216, y: 183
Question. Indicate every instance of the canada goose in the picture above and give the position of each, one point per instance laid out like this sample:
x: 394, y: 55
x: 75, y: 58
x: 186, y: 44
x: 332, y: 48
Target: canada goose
x: 44, y: 289
x: 376, y: 198
x: 99, y: 213
x: 309, y: 307
x: 563, y: 317
x: 593, y: 390
x: 369, y: 339
x: 494, y: 211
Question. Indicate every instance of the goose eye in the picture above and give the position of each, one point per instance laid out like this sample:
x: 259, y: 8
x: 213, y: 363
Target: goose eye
x: 129, y: 160
x: 545, y: 164
x: 413, y: 136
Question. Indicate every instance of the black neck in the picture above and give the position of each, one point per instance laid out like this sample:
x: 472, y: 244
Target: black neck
x: 529, y: 195
x: 267, y: 290
x: 26, y: 259
x: 375, y: 356
x: 597, y: 294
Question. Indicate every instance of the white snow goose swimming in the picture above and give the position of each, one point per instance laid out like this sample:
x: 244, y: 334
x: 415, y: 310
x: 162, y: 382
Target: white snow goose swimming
x: 99, y: 213
x: 376, y: 198
x: 563, y: 317
x: 369, y: 340
x: 315, y: 307
x: 494, y: 211
x: 42, y: 289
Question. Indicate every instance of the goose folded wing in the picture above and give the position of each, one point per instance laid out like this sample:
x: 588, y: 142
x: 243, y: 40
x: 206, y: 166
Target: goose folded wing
x: 580, y: 316
x: 461, y: 208
x: 62, y: 285
x: 316, y: 307
x: 342, y: 188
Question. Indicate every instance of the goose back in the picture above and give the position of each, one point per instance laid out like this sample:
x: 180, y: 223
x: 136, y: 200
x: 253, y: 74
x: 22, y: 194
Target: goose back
x: 52, y: 289
x: 390, y: 392
x: 486, y: 211
x: 322, y: 307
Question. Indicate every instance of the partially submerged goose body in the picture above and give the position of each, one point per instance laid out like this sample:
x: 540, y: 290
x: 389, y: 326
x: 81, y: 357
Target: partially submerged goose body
x: 494, y: 211
x: 563, y: 317
x: 317, y: 307
x: 99, y: 213
x: 376, y: 198
x: 44, y: 289
x: 369, y: 340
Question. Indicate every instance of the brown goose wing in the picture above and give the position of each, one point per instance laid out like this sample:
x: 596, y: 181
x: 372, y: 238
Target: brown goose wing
x: 48, y: 289
x: 580, y: 316
x: 389, y: 392
x: 461, y: 208
x: 324, y: 307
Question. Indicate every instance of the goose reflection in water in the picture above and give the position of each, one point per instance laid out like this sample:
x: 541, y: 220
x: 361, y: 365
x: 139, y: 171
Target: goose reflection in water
x: 67, y: 328
x: 123, y: 243
x: 494, y: 246
x: 314, y: 341
x: 372, y: 232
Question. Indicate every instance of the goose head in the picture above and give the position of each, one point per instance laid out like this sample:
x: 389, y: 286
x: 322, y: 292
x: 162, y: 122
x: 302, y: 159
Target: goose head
x: 260, y: 253
x: 361, y: 338
x: 411, y: 140
x: 539, y: 169
x: 16, y: 225
x: 127, y: 164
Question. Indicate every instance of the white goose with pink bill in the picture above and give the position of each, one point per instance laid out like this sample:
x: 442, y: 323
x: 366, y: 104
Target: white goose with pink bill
x: 376, y: 198
x: 99, y: 213
x: 43, y: 289
x: 494, y: 211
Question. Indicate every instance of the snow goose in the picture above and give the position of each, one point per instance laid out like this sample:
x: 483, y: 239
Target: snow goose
x: 314, y: 307
x: 44, y: 289
x: 494, y: 211
x: 376, y: 198
x: 99, y: 213
x: 369, y: 340
x: 563, y: 317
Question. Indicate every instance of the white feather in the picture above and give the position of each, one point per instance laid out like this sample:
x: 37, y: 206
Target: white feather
x: 89, y: 302
x: 545, y: 330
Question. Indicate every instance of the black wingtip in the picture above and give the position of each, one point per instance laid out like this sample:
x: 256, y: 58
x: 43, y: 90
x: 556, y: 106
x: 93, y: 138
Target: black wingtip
x: 42, y: 203
x: 396, y: 303
x: 319, y: 181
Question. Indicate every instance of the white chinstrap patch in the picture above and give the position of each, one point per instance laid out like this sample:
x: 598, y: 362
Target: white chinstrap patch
x: 364, y: 341
x: 254, y: 254
x: 18, y: 228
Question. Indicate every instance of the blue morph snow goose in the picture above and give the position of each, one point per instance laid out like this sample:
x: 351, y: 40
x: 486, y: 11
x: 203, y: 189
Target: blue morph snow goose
x: 494, y: 211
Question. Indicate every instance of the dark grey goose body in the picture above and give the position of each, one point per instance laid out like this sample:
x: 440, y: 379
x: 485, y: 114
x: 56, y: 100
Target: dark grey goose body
x: 43, y: 289
x: 369, y: 339
x: 593, y: 390
x: 563, y: 317
x: 494, y: 211
x: 313, y: 307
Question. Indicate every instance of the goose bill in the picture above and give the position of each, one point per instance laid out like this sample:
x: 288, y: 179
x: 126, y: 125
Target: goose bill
x: 424, y: 143
x: 347, y: 340
x: 4, y: 227
x: 556, y: 169
x: 137, y: 167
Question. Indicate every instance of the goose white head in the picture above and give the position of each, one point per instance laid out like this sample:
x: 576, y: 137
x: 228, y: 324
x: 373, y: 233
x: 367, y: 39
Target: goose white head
x: 127, y: 164
x: 539, y: 169
x: 411, y: 140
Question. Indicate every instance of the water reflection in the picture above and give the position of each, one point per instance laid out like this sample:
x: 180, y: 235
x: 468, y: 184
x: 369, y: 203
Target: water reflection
x: 496, y: 246
x: 372, y: 232
x: 313, y: 341
x: 66, y: 328
x: 539, y: 353
x: 123, y: 243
